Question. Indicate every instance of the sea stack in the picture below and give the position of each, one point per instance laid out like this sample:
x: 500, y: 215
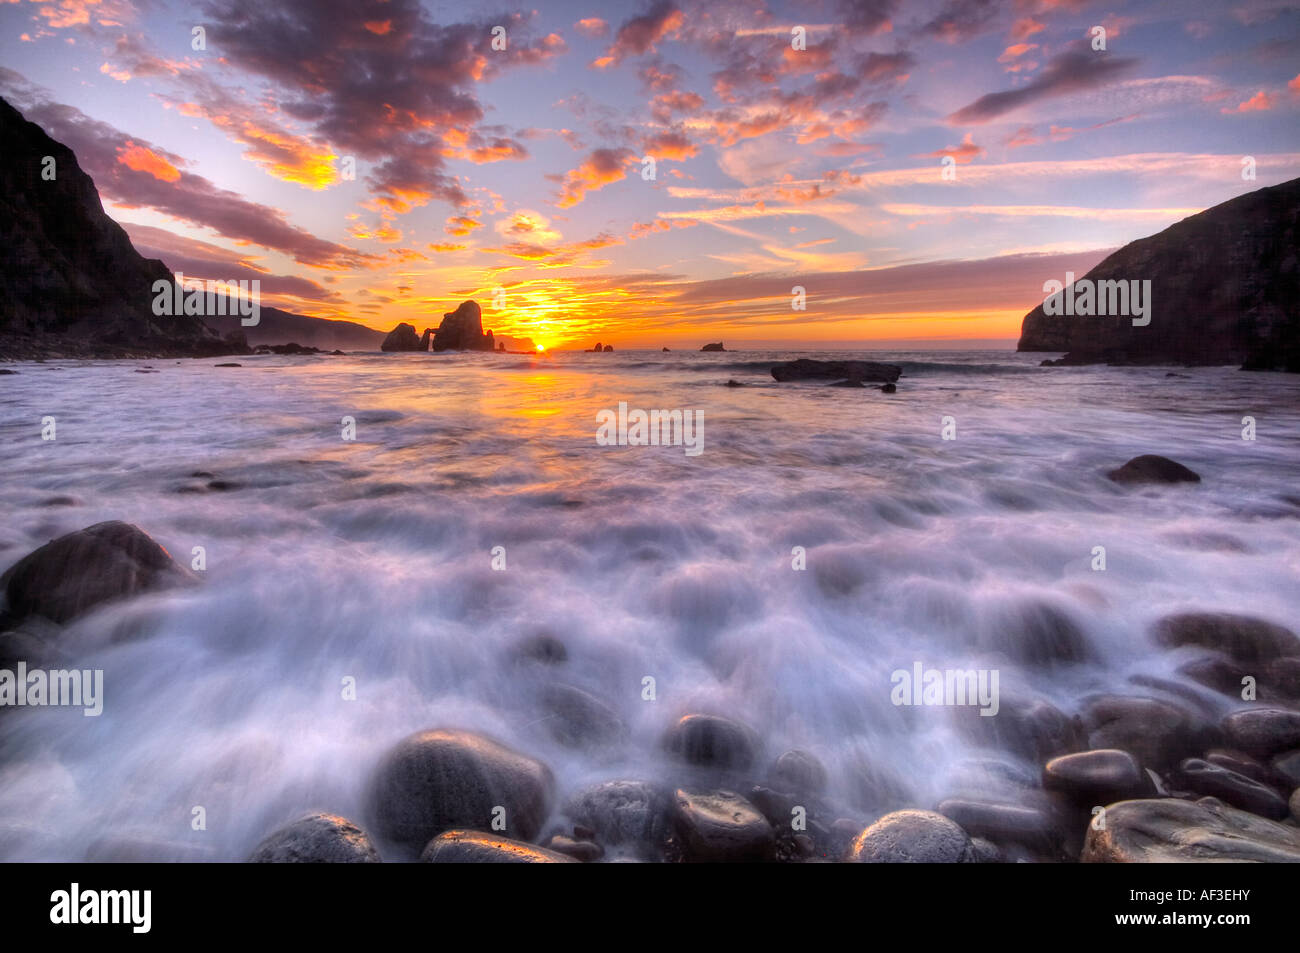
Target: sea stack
x: 462, y: 330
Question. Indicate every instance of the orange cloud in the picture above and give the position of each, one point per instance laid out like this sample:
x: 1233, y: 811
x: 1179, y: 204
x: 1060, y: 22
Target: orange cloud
x: 143, y: 160
x: 598, y: 170
x: 963, y: 154
x: 592, y: 26
x: 1026, y: 27
x: 379, y: 27
x: 459, y: 225
x: 1260, y: 102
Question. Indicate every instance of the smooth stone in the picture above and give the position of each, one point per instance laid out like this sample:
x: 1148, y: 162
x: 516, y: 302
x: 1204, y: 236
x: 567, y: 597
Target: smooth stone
x: 1169, y: 830
x: 912, y: 837
x: 1100, y: 776
x: 1158, y: 733
x: 1003, y: 823
x: 1286, y: 767
x: 1219, y: 673
x: 316, y: 839
x: 1294, y: 805
x: 1263, y: 731
x: 1240, y: 637
x: 1032, y: 728
x: 75, y: 573
x: 1240, y: 762
x: 583, y: 850
x: 543, y: 648
x: 712, y: 741
x: 622, y: 812
x: 432, y: 781
x: 475, y: 847
x: 721, y: 826
x: 1153, y: 468
x: 1206, y: 778
x: 577, y: 719
x: 800, y: 772
x: 805, y: 369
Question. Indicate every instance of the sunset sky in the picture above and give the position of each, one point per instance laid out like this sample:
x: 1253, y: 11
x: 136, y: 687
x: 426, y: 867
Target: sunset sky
x: 524, y: 169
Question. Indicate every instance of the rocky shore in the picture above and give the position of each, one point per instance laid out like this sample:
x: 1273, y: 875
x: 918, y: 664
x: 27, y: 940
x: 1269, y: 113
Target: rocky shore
x: 1153, y: 772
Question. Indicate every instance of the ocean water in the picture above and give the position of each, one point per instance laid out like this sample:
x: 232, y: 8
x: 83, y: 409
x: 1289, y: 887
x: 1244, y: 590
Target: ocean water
x: 372, y: 560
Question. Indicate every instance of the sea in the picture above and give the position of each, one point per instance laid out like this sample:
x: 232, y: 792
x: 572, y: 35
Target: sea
x: 379, y: 538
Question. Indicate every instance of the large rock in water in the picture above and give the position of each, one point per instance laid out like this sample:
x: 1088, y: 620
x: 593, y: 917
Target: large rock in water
x: 433, y: 781
x: 1225, y: 288
x: 475, y: 847
x: 1153, y: 468
x: 72, y: 280
x: 1244, y: 638
x: 912, y: 837
x: 75, y: 573
x: 1168, y: 830
x: 403, y: 338
x: 806, y: 369
x: 462, y: 330
x: 316, y: 839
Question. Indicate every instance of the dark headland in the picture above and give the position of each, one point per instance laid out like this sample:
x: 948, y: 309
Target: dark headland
x: 76, y: 287
x: 1225, y: 289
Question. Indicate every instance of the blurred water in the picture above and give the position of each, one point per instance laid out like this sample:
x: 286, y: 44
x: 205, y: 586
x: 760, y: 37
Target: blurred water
x: 372, y: 559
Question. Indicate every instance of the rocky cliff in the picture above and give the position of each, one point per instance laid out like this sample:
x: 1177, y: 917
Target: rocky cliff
x: 70, y: 273
x: 1225, y: 289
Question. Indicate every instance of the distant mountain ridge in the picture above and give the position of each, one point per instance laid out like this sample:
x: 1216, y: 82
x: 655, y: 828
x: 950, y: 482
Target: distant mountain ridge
x: 75, y: 286
x: 1225, y: 289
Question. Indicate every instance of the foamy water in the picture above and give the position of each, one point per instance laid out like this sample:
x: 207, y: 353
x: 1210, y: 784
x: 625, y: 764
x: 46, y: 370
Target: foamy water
x: 372, y: 559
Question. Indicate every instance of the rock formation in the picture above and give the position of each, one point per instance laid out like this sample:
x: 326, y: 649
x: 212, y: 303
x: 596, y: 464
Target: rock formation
x: 1225, y: 289
x: 404, y: 338
x: 462, y: 330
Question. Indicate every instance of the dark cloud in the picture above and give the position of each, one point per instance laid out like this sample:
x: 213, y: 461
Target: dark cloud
x: 640, y: 34
x: 960, y: 20
x: 1072, y: 71
x: 379, y: 80
x: 869, y: 16
x: 198, y: 259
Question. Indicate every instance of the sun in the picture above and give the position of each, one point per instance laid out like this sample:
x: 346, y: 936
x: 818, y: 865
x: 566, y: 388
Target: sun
x: 540, y: 348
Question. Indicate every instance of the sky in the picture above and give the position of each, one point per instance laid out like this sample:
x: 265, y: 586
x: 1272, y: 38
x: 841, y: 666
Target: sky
x: 662, y: 173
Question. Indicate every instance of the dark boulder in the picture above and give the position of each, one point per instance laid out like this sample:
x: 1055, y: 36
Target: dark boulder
x: 475, y: 847
x: 316, y: 839
x: 1168, y: 830
x: 402, y: 338
x: 625, y: 812
x: 75, y: 573
x: 1263, y: 731
x: 798, y: 772
x: 1158, y: 733
x: 436, y: 780
x: 716, y: 346
x: 712, y: 741
x: 1240, y: 637
x: 1153, y: 468
x: 912, y: 837
x: 721, y: 826
x: 1101, y: 776
x: 462, y: 330
x: 1204, y: 777
x: 805, y: 369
